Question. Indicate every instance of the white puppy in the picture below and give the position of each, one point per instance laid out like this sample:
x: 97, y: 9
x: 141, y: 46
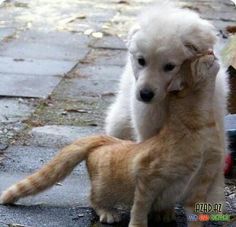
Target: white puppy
x: 163, y: 38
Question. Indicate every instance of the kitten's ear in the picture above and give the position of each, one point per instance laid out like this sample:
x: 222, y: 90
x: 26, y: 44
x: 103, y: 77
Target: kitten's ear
x: 176, y: 84
x: 131, y: 34
x: 191, y: 47
x: 199, y: 38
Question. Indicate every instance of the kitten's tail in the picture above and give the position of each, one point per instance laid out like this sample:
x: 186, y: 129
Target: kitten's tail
x: 56, y: 170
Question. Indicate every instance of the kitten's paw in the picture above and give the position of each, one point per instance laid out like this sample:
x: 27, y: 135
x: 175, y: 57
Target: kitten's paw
x: 168, y: 216
x: 165, y: 216
x: 209, y: 65
x: 137, y: 225
x: 109, y: 217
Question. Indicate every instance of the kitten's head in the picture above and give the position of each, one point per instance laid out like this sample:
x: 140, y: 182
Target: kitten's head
x: 163, y: 39
x: 196, y: 73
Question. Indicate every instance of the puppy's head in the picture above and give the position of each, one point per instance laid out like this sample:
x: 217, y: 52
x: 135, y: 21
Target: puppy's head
x: 163, y: 39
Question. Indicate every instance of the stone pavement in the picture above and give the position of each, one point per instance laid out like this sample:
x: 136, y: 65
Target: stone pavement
x: 60, y: 63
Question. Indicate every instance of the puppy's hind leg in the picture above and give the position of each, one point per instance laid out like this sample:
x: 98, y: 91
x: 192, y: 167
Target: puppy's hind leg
x: 118, y: 122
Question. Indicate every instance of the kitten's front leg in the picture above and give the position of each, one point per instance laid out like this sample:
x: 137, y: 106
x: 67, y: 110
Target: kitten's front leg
x: 198, y: 189
x: 143, y: 200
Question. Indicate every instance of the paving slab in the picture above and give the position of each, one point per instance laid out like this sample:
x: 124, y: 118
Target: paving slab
x: 60, y: 38
x: 106, y: 57
x: 28, y: 159
x: 108, y: 42
x: 74, y: 190
x: 33, y: 50
x: 20, y: 161
x: 70, y: 89
x: 87, y: 20
x: 34, y: 67
x: 46, y: 216
x: 53, y: 216
x: 90, y: 81
x: 13, y: 110
x: 6, y: 32
x: 99, y: 72
x: 59, y: 135
x: 23, y: 85
x: 75, y: 111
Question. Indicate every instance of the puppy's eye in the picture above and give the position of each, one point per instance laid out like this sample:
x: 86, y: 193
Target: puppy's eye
x: 169, y: 67
x: 141, y: 61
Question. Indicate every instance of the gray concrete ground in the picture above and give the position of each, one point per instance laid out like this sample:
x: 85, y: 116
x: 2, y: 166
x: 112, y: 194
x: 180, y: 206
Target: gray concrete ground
x: 60, y: 63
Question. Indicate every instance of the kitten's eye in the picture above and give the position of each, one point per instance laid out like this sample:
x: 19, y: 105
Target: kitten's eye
x: 169, y: 67
x: 141, y: 61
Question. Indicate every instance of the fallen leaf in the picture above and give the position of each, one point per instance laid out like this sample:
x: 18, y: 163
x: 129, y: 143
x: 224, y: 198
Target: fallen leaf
x: 18, y: 59
x: 229, y: 52
x: 33, y: 123
x: 97, y: 35
x: 88, y: 31
x: 3, y: 147
x: 1, y: 158
x: 191, y: 8
x: 84, y: 61
x: 76, y: 111
x: 21, y: 5
x: 93, y: 124
x: 108, y: 94
x: 16, y: 225
x: 64, y: 113
x: 72, y: 19
x: 123, y: 2
x: 231, y: 29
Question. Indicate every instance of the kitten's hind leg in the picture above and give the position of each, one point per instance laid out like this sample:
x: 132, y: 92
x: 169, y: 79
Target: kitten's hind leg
x: 107, y: 215
x: 165, y: 216
x: 215, y: 193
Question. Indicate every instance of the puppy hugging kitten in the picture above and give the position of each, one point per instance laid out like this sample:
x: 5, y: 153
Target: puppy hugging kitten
x: 162, y: 38
x: 149, y: 176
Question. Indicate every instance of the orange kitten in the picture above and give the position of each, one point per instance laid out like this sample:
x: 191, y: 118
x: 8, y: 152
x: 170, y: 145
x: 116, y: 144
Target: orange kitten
x: 152, y: 175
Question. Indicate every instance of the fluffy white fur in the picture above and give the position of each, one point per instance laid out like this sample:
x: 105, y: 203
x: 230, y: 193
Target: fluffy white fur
x: 163, y: 34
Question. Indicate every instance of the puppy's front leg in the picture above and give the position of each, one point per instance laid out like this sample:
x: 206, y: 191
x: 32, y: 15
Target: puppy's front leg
x: 143, y: 200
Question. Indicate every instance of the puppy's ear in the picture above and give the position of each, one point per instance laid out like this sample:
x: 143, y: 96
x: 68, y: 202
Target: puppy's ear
x: 176, y: 84
x: 131, y: 34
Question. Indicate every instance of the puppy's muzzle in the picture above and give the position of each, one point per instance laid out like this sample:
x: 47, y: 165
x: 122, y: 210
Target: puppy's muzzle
x: 146, y: 95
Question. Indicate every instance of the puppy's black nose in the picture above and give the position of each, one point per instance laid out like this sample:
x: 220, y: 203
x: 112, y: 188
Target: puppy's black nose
x: 146, y: 95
